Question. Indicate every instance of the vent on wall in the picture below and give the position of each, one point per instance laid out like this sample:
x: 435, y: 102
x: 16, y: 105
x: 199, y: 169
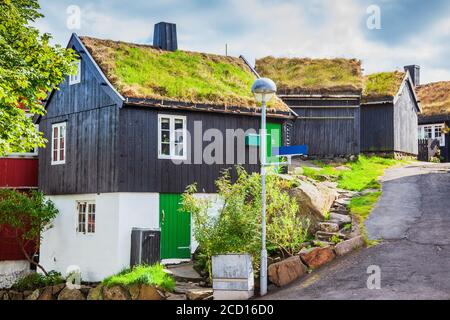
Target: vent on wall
x: 165, y: 36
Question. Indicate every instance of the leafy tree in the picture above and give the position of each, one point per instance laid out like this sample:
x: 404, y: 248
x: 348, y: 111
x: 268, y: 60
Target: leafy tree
x: 237, y: 227
x: 29, y: 68
x: 29, y: 215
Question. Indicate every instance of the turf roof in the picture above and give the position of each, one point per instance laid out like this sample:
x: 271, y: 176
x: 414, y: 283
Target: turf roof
x: 382, y: 85
x: 146, y: 72
x: 312, y: 76
x: 435, y: 98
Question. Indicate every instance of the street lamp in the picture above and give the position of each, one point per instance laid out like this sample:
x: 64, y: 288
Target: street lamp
x: 263, y: 89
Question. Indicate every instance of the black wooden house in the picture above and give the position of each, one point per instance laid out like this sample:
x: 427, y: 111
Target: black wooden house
x: 123, y: 145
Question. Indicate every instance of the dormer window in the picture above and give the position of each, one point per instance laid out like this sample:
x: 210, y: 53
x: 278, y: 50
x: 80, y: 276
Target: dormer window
x: 76, y: 78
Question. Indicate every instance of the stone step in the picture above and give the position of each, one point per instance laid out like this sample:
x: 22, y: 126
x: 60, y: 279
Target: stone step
x: 340, y: 219
x: 329, y: 226
x: 327, y: 236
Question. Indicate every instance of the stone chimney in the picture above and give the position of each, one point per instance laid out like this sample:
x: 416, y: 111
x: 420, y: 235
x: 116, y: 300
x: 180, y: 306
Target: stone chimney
x: 165, y: 36
x: 414, y: 72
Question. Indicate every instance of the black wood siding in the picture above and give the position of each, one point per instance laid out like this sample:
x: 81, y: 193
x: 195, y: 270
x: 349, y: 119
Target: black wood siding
x: 406, y: 123
x: 91, y: 138
x: 377, y: 128
x: 328, y: 127
x: 140, y: 170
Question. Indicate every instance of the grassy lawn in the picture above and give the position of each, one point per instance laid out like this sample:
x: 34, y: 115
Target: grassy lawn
x: 358, y: 176
x: 148, y: 275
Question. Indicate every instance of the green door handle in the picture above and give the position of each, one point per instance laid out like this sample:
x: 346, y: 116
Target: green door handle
x: 163, y: 217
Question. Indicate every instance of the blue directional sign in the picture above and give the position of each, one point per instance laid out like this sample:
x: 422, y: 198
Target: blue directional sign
x: 291, y: 151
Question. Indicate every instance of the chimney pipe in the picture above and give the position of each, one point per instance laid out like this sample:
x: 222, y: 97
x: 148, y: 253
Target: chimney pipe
x: 165, y: 36
x: 414, y: 72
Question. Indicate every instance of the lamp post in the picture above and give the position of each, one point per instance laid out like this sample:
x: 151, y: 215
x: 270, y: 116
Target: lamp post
x: 263, y: 89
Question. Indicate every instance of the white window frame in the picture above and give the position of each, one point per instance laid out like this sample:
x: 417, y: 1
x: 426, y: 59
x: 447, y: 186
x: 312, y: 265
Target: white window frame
x: 172, y: 119
x: 59, y: 126
x: 433, y: 128
x: 86, y: 217
x: 76, y: 78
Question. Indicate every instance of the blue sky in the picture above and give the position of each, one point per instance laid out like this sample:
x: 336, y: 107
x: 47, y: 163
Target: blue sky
x: 412, y: 31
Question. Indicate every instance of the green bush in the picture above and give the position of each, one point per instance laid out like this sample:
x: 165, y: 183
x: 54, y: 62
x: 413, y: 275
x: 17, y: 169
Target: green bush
x: 237, y: 228
x: 142, y: 274
x: 36, y: 280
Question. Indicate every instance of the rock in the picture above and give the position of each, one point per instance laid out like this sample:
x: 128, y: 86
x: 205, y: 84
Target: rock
x: 314, y: 201
x: 115, y: 293
x: 329, y: 227
x: 327, y: 236
x: 171, y: 296
x: 343, y: 168
x: 56, y: 289
x: 96, y: 293
x: 349, y: 245
x: 34, y: 295
x: 286, y: 271
x: 316, y: 257
x: 340, y: 219
x: 71, y: 294
x: 15, y: 295
x: 47, y: 294
x: 150, y: 293
x: 134, y: 291
x: 5, y: 296
x: 85, y: 290
x: 211, y: 297
x: 343, y: 201
x: 198, y: 294
x: 27, y: 293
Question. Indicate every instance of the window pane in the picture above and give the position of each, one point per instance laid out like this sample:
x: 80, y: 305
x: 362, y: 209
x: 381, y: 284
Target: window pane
x: 61, y: 154
x: 179, y: 136
x: 165, y: 149
x: 165, y: 136
x: 165, y: 123
x: 178, y: 124
x: 55, y: 155
x: 55, y: 132
x: 179, y: 150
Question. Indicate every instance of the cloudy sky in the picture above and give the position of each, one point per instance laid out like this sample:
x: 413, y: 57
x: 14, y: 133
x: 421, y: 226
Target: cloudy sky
x: 412, y: 31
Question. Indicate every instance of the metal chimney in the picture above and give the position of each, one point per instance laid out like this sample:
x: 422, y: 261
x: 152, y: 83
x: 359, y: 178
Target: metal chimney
x: 414, y: 72
x: 165, y: 36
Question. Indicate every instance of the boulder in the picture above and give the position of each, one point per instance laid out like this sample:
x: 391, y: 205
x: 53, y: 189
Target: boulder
x: 15, y: 295
x: 147, y: 292
x: 349, y: 245
x: 96, y: 293
x: 316, y: 257
x: 286, y: 271
x: 134, y: 291
x: 340, y: 219
x: 56, y: 289
x: 34, y: 295
x: 314, y: 201
x: 71, y: 294
x: 198, y: 294
x: 47, y: 294
x: 329, y: 226
x: 116, y: 293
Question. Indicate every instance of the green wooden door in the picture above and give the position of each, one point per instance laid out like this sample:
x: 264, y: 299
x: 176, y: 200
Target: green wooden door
x: 175, y: 228
x: 273, y: 140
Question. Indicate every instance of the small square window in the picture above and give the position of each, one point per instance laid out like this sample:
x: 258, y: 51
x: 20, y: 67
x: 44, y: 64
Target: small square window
x: 86, y: 217
x: 172, y: 137
x: 58, y: 143
x: 76, y: 78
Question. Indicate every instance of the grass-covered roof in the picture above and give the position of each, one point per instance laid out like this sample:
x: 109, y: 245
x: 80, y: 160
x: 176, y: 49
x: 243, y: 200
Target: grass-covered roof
x: 312, y: 76
x: 143, y: 71
x: 382, y: 85
x: 435, y: 98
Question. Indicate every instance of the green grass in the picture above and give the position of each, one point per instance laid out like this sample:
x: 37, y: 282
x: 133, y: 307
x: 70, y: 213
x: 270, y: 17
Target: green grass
x: 362, y: 206
x: 383, y: 84
x: 363, y: 174
x: 312, y: 74
x: 148, y: 275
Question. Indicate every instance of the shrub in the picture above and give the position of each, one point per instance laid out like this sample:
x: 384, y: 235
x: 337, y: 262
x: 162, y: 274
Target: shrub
x: 142, y: 274
x: 237, y: 228
x: 36, y: 280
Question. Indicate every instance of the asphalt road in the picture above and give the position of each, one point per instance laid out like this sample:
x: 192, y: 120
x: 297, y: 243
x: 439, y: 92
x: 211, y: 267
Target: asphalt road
x: 413, y: 220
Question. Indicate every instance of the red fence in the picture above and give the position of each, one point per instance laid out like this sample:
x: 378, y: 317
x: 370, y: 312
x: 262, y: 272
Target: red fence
x: 18, y: 173
x: 9, y: 247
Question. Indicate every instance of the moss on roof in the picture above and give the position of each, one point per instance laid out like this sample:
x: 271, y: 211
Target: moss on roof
x: 435, y: 98
x: 382, y: 85
x: 308, y: 76
x: 143, y: 71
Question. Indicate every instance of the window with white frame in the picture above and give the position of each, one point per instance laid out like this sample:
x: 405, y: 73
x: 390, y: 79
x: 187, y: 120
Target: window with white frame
x: 86, y: 217
x: 433, y: 131
x: 76, y: 78
x: 58, y: 143
x: 171, y: 137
